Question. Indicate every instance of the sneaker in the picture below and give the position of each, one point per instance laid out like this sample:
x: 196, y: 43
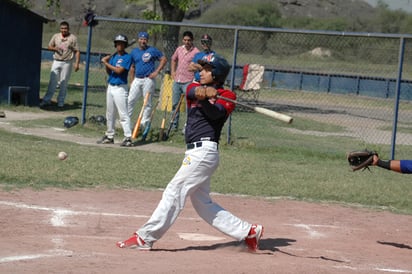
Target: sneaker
x: 106, y: 140
x: 134, y: 241
x: 127, y: 142
x: 253, y: 238
x: 45, y: 103
x: 60, y: 105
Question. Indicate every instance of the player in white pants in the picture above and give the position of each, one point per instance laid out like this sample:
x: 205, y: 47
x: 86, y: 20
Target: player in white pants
x: 144, y: 72
x: 138, y: 89
x: 117, y: 66
x: 206, y: 117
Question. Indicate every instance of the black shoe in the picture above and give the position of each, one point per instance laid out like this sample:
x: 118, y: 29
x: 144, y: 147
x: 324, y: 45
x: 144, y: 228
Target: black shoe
x: 106, y: 140
x: 127, y: 142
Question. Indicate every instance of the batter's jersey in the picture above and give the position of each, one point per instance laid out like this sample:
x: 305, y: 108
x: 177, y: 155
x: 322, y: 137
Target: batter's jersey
x: 144, y: 60
x: 198, y: 56
x: 68, y: 45
x: 124, y: 61
x: 205, y: 118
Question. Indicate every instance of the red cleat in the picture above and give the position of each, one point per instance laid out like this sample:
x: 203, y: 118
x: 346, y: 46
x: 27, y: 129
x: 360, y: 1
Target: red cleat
x: 135, y: 242
x: 253, y: 238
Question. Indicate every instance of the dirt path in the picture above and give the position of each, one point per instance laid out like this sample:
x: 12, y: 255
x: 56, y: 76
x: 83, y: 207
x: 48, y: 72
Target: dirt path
x: 62, y: 134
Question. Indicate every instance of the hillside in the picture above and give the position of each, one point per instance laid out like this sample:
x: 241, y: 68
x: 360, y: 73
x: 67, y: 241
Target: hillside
x: 74, y: 10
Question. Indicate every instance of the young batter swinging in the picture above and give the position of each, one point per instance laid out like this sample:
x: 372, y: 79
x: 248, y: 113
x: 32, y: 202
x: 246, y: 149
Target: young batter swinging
x: 206, y: 117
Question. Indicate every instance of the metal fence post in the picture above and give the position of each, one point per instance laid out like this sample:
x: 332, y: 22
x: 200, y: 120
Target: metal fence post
x: 232, y: 80
x: 86, y: 74
x: 398, y: 91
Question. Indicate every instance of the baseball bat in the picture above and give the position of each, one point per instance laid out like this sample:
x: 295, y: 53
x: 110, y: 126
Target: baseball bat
x: 162, y: 126
x: 166, y: 135
x: 267, y: 112
x: 139, y: 118
x: 149, y: 124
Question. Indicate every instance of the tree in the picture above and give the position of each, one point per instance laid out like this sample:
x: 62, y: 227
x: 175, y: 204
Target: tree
x: 29, y: 3
x: 171, y: 10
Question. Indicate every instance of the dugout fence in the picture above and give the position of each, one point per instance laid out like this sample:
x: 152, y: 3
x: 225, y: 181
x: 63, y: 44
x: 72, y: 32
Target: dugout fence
x: 339, y: 87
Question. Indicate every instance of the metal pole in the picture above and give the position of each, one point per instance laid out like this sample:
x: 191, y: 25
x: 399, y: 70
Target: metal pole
x: 232, y: 81
x: 86, y: 74
x: 398, y: 91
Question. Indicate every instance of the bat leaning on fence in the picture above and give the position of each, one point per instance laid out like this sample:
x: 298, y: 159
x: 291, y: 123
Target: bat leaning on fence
x: 149, y: 124
x: 165, y: 136
x: 163, y: 124
x: 140, y: 117
x: 267, y: 112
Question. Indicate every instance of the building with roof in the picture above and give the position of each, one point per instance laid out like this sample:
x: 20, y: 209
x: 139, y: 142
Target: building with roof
x: 21, y: 31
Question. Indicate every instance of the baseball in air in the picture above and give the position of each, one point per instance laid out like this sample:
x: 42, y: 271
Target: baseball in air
x: 62, y: 155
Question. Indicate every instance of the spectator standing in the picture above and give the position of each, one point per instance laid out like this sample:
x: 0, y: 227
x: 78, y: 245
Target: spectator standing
x: 206, y: 42
x: 144, y: 72
x: 180, y: 72
x: 65, y: 47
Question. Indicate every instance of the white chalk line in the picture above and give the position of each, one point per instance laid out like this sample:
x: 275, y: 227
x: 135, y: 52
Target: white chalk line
x: 392, y: 270
x: 60, y: 213
x: 199, y: 237
x: 49, y: 254
x: 309, y: 228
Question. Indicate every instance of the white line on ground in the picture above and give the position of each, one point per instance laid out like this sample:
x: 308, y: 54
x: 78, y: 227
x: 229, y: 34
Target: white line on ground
x: 312, y: 233
x: 60, y: 213
x: 393, y: 270
x: 50, y: 254
x: 199, y: 237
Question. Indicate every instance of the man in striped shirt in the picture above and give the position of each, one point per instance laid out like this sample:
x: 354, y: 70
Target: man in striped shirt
x: 179, y: 70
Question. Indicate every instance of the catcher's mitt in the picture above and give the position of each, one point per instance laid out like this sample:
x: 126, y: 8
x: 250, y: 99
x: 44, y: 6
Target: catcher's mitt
x: 359, y: 159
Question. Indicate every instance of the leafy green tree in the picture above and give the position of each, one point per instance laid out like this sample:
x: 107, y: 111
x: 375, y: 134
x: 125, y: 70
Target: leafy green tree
x: 244, y: 13
x: 171, y: 10
x: 29, y: 3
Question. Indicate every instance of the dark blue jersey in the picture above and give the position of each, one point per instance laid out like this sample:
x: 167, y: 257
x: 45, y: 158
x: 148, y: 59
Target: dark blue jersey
x: 205, y: 118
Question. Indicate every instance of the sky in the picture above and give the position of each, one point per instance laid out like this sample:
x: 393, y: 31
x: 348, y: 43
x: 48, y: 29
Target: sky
x: 405, y: 5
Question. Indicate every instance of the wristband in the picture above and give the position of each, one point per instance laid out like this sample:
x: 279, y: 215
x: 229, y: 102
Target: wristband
x: 384, y: 164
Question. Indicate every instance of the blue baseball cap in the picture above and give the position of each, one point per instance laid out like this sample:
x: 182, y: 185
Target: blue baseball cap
x: 143, y: 34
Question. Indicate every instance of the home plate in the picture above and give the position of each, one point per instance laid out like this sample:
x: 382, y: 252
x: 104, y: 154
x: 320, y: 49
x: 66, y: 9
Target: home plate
x: 199, y: 237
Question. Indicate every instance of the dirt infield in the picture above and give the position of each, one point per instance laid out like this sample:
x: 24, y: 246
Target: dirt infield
x: 61, y: 231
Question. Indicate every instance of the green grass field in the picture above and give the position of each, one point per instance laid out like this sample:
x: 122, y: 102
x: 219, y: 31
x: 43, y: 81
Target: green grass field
x: 276, y: 163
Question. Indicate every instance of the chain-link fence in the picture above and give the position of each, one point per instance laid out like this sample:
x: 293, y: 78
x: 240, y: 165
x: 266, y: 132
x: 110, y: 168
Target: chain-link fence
x: 342, y: 85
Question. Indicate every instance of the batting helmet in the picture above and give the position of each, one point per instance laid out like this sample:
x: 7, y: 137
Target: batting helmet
x: 121, y: 38
x: 70, y: 121
x: 220, y: 67
x: 206, y: 40
x: 99, y: 119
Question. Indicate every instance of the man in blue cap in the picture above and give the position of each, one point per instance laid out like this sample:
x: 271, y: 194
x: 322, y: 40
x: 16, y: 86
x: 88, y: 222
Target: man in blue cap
x: 144, y: 72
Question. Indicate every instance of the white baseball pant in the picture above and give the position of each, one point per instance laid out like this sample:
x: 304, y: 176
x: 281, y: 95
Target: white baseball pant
x: 193, y: 180
x: 116, y: 98
x: 139, y: 88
